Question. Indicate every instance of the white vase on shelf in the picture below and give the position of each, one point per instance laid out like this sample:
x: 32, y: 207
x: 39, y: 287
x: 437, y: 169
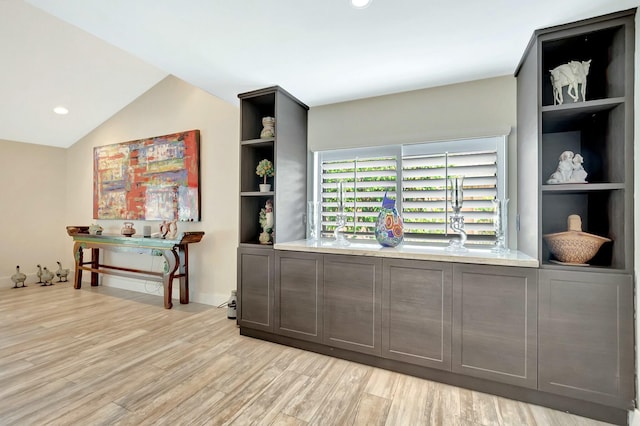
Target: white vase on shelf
x: 265, y: 187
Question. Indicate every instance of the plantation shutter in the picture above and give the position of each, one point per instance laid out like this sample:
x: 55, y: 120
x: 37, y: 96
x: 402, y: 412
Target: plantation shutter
x: 365, y: 181
x: 425, y: 193
x: 420, y: 172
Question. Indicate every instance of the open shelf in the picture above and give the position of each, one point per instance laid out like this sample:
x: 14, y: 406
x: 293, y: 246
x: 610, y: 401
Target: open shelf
x: 287, y: 150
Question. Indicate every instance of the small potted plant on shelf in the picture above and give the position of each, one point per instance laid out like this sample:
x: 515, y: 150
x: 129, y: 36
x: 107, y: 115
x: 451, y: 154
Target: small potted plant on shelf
x: 265, y: 170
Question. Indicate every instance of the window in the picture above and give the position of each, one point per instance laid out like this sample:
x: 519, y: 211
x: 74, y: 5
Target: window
x: 416, y: 176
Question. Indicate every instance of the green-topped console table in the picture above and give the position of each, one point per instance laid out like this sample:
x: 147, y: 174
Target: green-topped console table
x: 174, y: 251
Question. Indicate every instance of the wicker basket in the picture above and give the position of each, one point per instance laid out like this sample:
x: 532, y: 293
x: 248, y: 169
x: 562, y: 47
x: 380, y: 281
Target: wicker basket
x: 574, y: 246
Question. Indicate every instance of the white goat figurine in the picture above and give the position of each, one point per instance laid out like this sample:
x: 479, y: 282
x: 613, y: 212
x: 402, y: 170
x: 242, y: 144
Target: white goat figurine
x: 572, y: 75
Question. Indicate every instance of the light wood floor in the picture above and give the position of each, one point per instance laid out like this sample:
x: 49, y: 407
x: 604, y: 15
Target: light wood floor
x: 106, y: 356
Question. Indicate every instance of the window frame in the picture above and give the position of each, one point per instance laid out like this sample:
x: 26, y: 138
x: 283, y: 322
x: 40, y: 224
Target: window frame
x: 497, y: 143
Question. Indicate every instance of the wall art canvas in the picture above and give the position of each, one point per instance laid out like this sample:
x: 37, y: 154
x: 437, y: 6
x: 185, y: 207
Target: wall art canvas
x: 156, y: 178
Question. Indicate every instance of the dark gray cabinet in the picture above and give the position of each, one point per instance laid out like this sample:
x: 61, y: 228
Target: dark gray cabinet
x: 352, y: 303
x: 495, y: 323
x: 416, y: 312
x: 255, y: 288
x: 298, y: 295
x: 586, y: 336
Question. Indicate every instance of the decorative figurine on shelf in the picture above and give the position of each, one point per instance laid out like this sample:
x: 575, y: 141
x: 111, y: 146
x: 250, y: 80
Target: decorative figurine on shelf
x: 47, y: 277
x: 264, y: 170
x: 172, y: 230
x: 341, y: 218
x: 456, y: 221
x: 164, y: 229
x: 389, y: 230
x: 95, y: 229
x: 18, y: 277
x: 578, y: 175
x: 268, y: 129
x: 569, y: 169
x: 61, y: 273
x: 266, y: 223
x: 572, y: 75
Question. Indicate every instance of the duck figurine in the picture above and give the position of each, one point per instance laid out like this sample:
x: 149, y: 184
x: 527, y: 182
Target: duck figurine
x: 39, y: 274
x: 47, y: 276
x: 18, y: 277
x: 61, y: 273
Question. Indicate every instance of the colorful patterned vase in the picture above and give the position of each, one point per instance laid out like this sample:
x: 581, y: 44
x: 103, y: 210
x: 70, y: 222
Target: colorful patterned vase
x: 389, y: 230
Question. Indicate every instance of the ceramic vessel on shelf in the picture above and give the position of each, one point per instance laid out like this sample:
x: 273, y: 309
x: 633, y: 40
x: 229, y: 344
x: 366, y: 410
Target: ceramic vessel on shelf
x: 574, y: 247
x: 389, y: 229
x: 128, y: 229
x: 265, y: 187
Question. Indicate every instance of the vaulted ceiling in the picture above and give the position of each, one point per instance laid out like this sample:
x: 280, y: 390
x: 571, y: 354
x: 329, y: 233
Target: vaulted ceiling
x: 96, y: 56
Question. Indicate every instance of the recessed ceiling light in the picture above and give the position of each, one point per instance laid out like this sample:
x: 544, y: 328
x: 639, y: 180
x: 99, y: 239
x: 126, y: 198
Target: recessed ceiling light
x: 360, y: 4
x: 61, y: 110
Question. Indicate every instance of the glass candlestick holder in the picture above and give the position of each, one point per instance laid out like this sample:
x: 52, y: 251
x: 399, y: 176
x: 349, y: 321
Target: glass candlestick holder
x: 341, y: 218
x: 456, y: 220
x: 500, y: 208
x: 313, y: 220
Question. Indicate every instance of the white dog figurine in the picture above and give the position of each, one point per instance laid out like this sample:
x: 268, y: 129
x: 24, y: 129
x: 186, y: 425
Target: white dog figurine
x: 578, y: 175
x: 564, y: 170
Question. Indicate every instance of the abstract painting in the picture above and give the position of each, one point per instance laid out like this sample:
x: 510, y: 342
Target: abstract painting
x: 156, y: 178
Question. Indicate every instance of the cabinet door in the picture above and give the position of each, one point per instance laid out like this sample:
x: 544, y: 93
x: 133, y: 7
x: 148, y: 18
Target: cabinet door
x: 255, y: 288
x: 495, y: 323
x: 298, y: 297
x: 586, y: 336
x: 416, y: 312
x: 352, y: 290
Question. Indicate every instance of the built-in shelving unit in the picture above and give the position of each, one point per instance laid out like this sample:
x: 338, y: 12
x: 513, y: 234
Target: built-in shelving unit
x: 585, y: 312
x: 287, y: 150
x: 600, y: 128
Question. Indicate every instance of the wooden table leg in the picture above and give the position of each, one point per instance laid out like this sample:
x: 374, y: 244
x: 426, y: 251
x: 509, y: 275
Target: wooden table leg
x: 95, y: 264
x: 184, y: 274
x: 77, y: 255
x: 167, y: 278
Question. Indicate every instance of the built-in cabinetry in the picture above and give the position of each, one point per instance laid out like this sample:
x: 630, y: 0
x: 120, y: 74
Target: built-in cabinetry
x: 599, y: 128
x: 495, y: 323
x: 287, y: 150
x: 586, y: 336
x: 416, y: 312
x: 585, y: 315
x: 556, y: 333
x: 255, y: 288
x: 352, y: 297
x: 299, y: 295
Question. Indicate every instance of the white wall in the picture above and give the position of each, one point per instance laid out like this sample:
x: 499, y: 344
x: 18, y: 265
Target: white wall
x: 477, y: 108
x: 169, y: 107
x: 32, y: 198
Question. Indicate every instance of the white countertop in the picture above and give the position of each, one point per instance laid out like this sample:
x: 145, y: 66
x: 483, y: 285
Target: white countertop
x: 480, y: 256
